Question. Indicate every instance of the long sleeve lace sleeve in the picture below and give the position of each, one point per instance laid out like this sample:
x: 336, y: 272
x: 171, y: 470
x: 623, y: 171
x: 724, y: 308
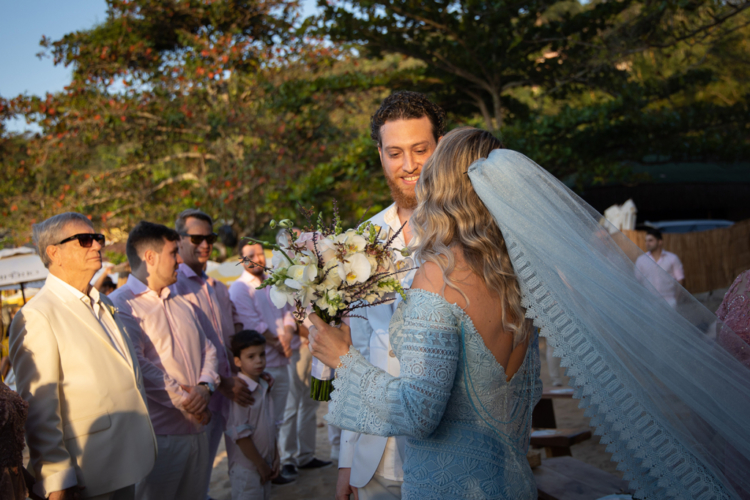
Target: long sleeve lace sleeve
x: 426, y: 338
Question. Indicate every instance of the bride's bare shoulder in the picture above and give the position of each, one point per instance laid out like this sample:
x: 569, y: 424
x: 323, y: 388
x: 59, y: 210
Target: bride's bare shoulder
x: 429, y: 277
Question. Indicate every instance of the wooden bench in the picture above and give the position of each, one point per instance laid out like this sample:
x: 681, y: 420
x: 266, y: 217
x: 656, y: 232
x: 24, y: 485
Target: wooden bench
x: 565, y: 478
x: 543, y: 416
x: 557, y: 442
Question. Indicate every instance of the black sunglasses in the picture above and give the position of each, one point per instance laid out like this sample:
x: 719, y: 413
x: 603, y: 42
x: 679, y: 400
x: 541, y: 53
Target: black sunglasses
x: 85, y: 239
x: 197, y: 239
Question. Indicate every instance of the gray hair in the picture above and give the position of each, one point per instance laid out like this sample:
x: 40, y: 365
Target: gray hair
x: 180, y: 223
x: 48, y: 232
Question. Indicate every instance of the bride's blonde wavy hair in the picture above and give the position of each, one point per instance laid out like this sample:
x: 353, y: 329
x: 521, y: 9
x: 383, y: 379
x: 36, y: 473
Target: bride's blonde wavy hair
x: 449, y: 214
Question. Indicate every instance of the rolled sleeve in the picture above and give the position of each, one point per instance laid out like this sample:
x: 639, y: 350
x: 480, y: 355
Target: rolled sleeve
x: 240, y: 431
x: 210, y: 368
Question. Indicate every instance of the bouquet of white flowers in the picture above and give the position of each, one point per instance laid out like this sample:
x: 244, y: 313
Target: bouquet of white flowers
x: 333, y: 273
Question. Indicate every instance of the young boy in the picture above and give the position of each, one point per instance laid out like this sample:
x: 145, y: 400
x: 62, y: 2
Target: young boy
x: 251, y: 431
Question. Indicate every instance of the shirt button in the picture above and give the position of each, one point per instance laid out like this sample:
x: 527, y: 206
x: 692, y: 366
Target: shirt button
x: 391, y: 353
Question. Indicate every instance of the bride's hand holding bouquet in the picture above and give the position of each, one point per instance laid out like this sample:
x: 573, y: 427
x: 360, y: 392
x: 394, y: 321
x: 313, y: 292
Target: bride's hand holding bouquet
x: 328, y: 274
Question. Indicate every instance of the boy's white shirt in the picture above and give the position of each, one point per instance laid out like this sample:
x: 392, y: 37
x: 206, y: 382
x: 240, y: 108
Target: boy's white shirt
x: 249, y: 418
x: 364, y: 453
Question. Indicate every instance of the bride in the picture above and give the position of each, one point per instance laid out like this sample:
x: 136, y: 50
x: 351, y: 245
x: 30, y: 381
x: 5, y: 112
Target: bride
x: 500, y: 241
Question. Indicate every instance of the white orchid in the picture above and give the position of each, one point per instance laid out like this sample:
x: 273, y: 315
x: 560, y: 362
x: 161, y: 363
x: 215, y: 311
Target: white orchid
x: 281, y: 296
x: 356, y: 269
x: 353, y: 242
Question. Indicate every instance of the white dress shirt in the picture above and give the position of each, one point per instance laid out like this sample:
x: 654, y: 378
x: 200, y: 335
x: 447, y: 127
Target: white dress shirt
x: 98, y: 309
x: 372, y: 339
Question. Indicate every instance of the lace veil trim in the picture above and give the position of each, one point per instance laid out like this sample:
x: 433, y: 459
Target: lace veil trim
x: 652, y: 460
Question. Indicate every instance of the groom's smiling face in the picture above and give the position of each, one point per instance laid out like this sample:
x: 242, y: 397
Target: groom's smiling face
x: 405, y: 146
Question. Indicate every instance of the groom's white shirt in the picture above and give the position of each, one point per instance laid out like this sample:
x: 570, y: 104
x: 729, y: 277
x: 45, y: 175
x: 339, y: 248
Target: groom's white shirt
x: 364, y: 453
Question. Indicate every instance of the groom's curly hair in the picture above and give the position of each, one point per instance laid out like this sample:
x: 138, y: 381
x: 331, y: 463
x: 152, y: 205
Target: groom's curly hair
x: 407, y: 105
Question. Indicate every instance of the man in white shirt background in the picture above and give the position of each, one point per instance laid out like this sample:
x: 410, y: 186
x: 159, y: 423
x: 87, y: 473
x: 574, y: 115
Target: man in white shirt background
x: 406, y: 129
x: 667, y: 261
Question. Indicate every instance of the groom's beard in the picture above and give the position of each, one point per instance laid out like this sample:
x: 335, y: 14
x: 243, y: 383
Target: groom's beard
x: 403, y: 200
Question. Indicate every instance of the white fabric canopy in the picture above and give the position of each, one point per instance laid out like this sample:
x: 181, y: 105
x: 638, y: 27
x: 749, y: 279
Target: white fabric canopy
x: 20, y: 265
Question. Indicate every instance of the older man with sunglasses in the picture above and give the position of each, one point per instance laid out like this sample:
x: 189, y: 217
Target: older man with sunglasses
x: 215, y: 312
x: 88, y: 427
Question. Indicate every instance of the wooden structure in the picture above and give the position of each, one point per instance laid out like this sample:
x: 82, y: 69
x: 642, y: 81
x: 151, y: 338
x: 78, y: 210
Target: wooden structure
x: 565, y: 478
x: 712, y: 259
x: 557, y: 442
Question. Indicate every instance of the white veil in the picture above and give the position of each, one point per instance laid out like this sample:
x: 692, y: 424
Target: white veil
x: 665, y: 392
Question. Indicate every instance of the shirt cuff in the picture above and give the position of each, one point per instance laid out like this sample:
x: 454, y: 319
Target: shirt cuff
x: 56, y: 482
x: 239, y: 432
x: 289, y: 321
x: 215, y: 380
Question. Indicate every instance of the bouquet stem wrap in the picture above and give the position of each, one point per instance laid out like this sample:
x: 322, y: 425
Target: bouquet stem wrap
x: 321, y: 378
x: 321, y: 382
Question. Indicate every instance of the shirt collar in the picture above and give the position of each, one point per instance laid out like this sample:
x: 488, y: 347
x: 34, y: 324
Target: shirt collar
x: 251, y: 278
x: 139, y: 288
x: 92, y: 297
x: 390, y: 217
x: 187, y: 271
x: 251, y: 384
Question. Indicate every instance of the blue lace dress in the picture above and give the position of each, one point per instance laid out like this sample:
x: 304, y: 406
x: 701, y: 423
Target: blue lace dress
x: 468, y: 428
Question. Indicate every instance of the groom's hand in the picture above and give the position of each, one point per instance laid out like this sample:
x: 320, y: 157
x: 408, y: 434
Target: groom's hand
x: 343, y: 488
x: 328, y: 343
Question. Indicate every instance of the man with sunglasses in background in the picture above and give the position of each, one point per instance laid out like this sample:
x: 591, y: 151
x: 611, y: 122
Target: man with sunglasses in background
x: 210, y: 299
x: 88, y: 427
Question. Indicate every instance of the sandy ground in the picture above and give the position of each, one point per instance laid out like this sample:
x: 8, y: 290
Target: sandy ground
x: 317, y: 484
x: 321, y: 484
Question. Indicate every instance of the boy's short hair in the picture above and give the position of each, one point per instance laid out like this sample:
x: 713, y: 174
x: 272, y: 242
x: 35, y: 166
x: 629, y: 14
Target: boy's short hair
x: 147, y: 236
x: 652, y: 231
x: 244, y: 339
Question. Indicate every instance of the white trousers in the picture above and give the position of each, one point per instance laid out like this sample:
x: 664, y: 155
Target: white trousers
x: 126, y: 493
x: 297, y: 433
x: 214, y: 433
x: 334, y: 437
x: 279, y: 391
x: 246, y: 484
x: 380, y: 488
x: 553, y: 366
x: 180, y: 471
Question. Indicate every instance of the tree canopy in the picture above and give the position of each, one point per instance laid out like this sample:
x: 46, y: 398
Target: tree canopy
x: 243, y: 109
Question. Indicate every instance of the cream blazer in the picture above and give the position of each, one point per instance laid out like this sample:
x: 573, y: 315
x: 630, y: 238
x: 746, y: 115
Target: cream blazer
x: 88, y: 423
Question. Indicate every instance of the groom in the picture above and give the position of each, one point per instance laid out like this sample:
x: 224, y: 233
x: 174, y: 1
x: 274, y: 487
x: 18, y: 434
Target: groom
x: 406, y: 128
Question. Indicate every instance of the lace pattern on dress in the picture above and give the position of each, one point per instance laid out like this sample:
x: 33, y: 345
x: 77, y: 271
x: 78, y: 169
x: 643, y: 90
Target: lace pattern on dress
x: 654, y: 461
x: 468, y: 427
x: 428, y: 349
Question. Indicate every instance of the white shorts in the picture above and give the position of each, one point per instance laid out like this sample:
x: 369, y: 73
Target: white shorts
x: 246, y: 484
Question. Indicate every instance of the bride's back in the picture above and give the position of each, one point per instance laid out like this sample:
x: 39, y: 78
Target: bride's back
x: 462, y: 250
x: 481, y: 304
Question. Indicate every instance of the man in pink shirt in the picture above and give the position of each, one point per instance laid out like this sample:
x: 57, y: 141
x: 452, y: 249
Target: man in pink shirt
x: 179, y: 364
x: 257, y: 312
x: 215, y: 317
x: 666, y: 283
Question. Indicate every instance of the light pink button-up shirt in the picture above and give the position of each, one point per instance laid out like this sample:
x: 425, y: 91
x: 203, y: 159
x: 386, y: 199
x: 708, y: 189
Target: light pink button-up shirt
x: 171, y: 349
x: 255, y: 420
x: 256, y: 311
x: 207, y: 307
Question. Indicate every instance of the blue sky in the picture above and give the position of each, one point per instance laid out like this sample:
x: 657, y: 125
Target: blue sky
x: 22, y: 24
